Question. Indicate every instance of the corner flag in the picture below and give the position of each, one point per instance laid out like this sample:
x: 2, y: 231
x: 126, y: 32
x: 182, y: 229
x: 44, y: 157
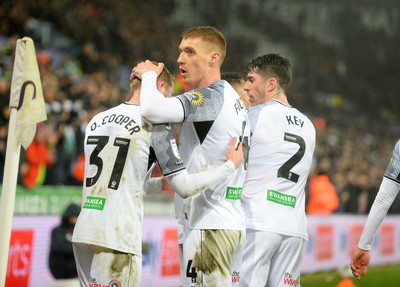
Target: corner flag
x: 26, y: 92
x: 27, y: 109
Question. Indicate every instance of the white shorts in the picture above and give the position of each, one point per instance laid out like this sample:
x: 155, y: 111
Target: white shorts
x: 271, y: 259
x: 212, y: 258
x: 180, y: 248
x: 96, y: 264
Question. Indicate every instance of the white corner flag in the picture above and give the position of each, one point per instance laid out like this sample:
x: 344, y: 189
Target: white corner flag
x: 26, y: 92
x: 27, y: 109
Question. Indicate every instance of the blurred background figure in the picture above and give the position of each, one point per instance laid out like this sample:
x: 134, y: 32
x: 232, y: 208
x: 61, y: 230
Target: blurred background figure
x: 237, y: 82
x: 61, y: 257
x: 323, y: 197
x: 39, y: 156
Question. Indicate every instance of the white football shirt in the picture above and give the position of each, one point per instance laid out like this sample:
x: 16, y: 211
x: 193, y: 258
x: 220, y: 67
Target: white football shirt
x: 211, y: 116
x: 117, y: 143
x: 280, y: 159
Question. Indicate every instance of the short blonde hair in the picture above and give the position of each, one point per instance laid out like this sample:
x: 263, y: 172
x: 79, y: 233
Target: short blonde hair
x: 165, y: 77
x: 208, y: 34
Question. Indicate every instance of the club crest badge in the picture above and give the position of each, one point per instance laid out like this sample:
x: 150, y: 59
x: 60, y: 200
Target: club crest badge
x: 197, y: 99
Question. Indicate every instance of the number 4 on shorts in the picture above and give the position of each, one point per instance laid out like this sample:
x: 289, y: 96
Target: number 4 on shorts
x: 191, y: 271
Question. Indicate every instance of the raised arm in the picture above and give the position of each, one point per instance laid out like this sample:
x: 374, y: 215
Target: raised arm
x: 154, y: 106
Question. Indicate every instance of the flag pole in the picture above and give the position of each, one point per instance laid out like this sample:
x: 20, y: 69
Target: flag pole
x: 27, y: 108
x: 8, y: 193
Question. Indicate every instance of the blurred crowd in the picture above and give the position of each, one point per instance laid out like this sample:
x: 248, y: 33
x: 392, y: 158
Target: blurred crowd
x: 90, y: 73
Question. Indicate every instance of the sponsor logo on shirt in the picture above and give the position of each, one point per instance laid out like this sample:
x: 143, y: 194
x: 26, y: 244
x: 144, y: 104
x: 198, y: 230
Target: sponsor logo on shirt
x: 174, y: 148
x: 280, y: 198
x: 233, y: 193
x: 289, y: 281
x: 197, y: 98
x: 112, y: 283
x: 235, y: 277
x: 93, y: 202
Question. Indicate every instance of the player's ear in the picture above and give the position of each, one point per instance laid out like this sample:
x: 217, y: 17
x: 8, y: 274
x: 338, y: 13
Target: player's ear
x: 214, y: 59
x: 160, y: 84
x: 272, y: 84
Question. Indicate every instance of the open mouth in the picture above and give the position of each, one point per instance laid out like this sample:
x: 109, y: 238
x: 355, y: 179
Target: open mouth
x: 183, y: 72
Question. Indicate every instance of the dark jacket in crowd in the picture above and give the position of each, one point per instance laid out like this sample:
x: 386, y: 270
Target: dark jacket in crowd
x: 61, y: 258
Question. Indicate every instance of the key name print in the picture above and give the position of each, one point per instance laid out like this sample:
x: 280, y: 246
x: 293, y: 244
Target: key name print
x: 293, y: 120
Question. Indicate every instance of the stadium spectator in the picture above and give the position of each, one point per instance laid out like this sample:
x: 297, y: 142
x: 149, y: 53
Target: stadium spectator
x: 39, y: 156
x: 387, y: 193
x: 280, y: 159
x: 210, y: 114
x: 323, y: 198
x: 61, y: 258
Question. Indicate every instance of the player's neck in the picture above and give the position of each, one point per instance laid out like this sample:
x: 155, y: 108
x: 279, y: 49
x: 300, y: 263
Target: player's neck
x: 280, y: 97
x: 135, y: 99
x: 211, y: 78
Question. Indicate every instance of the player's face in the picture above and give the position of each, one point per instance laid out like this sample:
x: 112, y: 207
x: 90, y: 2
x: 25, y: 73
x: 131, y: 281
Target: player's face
x: 256, y: 88
x: 193, y: 61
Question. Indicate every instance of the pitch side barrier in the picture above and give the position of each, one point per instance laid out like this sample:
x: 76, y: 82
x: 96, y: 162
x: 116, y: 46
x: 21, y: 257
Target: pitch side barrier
x: 45, y: 200
x: 332, y: 238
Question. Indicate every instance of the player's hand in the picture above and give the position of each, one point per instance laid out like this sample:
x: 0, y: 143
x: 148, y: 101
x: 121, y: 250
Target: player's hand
x: 359, y: 262
x: 235, y: 153
x: 147, y: 66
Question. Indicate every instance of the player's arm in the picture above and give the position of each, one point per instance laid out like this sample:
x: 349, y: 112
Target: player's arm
x: 384, y: 199
x: 153, y: 105
x: 386, y: 195
x: 186, y: 185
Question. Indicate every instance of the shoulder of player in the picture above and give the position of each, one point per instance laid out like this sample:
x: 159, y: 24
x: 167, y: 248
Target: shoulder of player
x: 397, y: 146
x: 280, y: 108
x: 214, y: 88
x: 275, y: 109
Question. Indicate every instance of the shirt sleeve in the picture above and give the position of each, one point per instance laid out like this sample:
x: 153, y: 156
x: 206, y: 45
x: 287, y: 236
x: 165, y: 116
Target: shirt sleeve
x: 384, y: 199
x: 186, y: 185
x: 154, y: 106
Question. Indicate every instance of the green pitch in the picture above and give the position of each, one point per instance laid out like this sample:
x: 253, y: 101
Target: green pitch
x: 388, y: 275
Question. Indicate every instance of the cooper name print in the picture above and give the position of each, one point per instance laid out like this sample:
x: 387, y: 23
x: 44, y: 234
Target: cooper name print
x: 122, y: 120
